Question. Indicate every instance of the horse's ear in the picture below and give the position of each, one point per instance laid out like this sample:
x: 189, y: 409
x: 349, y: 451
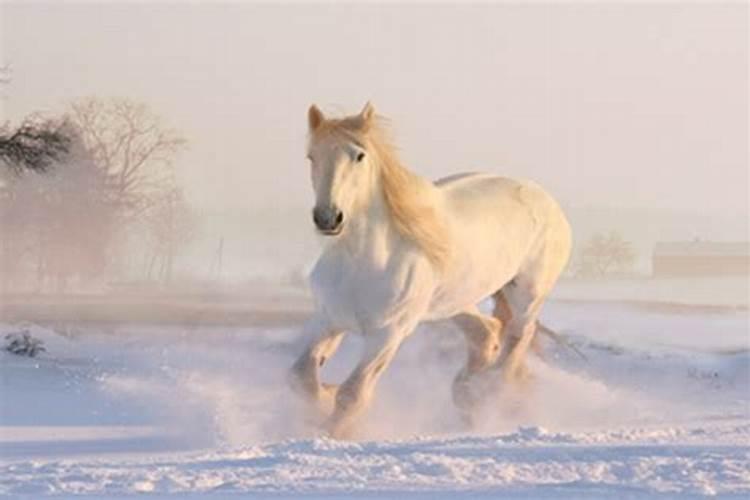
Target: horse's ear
x: 314, y: 117
x: 367, y: 112
x: 363, y: 120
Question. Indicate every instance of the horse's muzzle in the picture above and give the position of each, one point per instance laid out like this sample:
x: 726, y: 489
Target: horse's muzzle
x: 329, y: 220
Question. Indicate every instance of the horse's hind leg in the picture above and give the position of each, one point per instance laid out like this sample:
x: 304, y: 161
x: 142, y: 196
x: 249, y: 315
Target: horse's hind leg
x: 524, y: 300
x: 304, y: 376
x: 504, y: 313
x: 525, y: 295
x: 483, y: 342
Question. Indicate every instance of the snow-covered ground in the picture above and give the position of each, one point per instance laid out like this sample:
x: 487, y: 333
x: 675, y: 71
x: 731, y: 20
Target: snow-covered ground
x: 660, y: 406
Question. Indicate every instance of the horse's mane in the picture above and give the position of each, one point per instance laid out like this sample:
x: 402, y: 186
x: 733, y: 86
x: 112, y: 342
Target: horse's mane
x: 407, y: 195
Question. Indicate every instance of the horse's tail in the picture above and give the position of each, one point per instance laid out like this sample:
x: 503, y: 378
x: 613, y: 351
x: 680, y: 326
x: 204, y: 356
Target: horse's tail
x: 541, y: 328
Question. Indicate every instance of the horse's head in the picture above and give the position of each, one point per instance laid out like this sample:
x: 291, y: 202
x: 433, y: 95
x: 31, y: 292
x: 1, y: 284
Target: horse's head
x: 341, y: 167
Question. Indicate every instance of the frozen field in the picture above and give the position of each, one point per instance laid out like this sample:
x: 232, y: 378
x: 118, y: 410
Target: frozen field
x: 661, y: 406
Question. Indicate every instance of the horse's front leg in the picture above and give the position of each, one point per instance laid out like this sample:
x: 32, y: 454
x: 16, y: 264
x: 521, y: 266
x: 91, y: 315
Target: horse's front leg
x: 304, y: 376
x: 355, y: 394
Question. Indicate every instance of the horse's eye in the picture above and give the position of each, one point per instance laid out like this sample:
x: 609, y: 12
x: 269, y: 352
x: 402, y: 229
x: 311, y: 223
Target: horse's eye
x: 360, y: 157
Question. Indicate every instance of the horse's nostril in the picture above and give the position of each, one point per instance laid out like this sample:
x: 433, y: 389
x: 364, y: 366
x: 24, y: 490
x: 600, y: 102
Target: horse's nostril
x: 327, y: 218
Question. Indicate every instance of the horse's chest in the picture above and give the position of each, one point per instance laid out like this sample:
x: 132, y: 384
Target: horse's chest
x: 339, y: 290
x: 354, y: 294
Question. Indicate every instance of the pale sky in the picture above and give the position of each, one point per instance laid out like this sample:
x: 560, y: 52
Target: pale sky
x: 616, y: 105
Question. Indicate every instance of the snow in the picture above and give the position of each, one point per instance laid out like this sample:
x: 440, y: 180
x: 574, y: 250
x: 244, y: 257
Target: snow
x: 531, y: 459
x: 661, y: 406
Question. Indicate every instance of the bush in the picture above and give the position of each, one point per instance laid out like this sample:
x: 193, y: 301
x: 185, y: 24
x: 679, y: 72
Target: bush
x: 23, y: 344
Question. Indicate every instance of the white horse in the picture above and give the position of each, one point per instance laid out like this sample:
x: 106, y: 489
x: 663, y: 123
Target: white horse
x: 402, y: 250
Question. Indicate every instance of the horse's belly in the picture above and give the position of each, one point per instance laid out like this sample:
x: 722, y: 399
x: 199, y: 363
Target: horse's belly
x: 473, y: 286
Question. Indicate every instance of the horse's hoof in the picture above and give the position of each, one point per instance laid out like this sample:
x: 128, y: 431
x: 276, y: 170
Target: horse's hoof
x: 333, y: 431
x: 337, y: 428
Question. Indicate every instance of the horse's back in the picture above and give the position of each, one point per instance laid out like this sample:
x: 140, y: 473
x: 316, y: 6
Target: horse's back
x: 482, y: 194
x: 521, y: 207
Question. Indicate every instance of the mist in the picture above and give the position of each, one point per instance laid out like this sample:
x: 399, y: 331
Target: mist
x: 613, y: 108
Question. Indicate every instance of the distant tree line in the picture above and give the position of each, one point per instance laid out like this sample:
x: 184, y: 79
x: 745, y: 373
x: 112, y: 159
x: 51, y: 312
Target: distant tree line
x: 605, y: 255
x: 75, y: 192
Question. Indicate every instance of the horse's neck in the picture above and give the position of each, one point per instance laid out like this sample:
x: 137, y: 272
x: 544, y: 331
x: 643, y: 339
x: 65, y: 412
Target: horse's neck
x: 371, y: 234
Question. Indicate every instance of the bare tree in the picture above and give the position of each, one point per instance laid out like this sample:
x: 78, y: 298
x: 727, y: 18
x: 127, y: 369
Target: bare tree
x: 55, y: 227
x: 604, y: 255
x: 127, y: 140
x: 61, y: 227
x: 170, y: 227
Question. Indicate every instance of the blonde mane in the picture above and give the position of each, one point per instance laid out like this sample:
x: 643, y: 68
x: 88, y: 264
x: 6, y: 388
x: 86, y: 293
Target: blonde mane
x: 407, y: 195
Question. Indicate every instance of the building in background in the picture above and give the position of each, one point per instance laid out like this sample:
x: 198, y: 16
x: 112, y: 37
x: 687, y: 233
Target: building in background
x: 701, y: 258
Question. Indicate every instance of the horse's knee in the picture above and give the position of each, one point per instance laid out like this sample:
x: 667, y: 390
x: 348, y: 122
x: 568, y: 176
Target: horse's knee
x: 482, y: 355
x: 482, y: 340
x: 304, y: 373
x: 303, y: 380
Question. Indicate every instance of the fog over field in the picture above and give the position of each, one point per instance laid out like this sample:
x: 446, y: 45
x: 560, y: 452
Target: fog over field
x: 625, y: 112
x: 156, y: 234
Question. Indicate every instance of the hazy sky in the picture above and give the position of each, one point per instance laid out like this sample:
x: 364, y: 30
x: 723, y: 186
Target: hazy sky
x: 618, y: 105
